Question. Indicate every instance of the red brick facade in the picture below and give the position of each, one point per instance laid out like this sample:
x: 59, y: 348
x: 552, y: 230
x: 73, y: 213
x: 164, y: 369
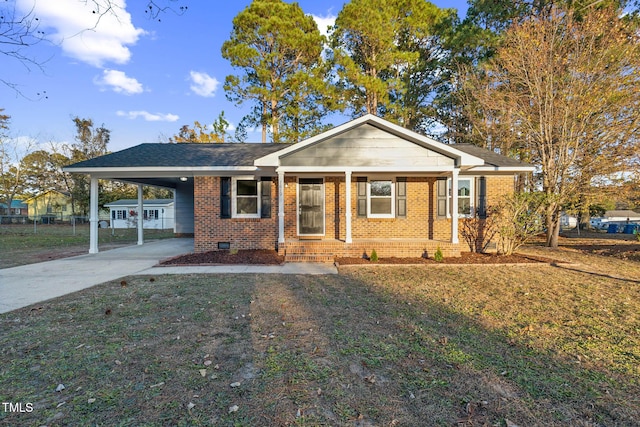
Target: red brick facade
x: 420, y: 228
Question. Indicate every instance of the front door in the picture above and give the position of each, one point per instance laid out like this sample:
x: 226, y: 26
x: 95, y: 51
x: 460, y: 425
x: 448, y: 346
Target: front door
x: 311, y: 207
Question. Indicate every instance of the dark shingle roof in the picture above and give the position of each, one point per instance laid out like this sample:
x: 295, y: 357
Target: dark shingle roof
x: 178, y: 155
x: 490, y: 157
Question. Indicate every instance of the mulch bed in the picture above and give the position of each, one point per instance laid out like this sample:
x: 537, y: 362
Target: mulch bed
x: 464, y: 258
x: 260, y: 257
x: 269, y: 257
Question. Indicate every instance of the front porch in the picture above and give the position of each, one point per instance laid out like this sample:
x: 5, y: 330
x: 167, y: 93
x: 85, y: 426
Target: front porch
x: 301, y: 250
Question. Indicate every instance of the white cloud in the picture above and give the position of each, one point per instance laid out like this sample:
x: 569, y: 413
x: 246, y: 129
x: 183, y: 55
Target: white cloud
x: 324, y: 22
x: 203, y: 84
x: 119, y: 82
x: 87, y: 30
x: 149, y: 117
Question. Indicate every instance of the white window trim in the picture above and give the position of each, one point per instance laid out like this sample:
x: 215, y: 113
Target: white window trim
x: 393, y: 197
x: 234, y: 195
x: 472, y: 196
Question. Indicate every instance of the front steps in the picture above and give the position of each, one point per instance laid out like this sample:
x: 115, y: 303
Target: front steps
x: 326, y: 251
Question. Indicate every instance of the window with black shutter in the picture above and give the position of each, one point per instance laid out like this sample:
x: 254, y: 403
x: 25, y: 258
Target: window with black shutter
x: 225, y: 197
x: 265, y: 198
x: 401, y: 197
x: 441, y: 198
x: 362, y: 196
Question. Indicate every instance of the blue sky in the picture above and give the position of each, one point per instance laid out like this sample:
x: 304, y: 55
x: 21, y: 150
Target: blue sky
x: 141, y: 78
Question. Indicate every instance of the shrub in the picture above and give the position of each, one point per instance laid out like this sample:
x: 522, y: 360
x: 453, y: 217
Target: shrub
x: 519, y: 218
x: 374, y: 256
x: 438, y: 256
x: 478, y: 232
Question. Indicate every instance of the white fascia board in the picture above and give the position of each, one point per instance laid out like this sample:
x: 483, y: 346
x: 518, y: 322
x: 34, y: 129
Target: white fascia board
x: 361, y: 169
x: 488, y: 168
x: 159, y: 171
x: 463, y: 158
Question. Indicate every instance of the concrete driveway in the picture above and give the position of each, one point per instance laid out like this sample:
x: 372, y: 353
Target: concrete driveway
x: 31, y: 284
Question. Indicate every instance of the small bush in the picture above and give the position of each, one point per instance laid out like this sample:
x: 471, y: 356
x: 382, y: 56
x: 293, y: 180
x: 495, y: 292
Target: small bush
x: 374, y: 256
x: 438, y: 256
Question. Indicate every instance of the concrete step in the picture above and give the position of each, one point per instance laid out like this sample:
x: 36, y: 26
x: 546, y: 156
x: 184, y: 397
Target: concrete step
x: 298, y: 257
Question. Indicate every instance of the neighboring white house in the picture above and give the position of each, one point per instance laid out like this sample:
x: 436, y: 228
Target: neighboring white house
x: 621, y: 216
x: 158, y: 213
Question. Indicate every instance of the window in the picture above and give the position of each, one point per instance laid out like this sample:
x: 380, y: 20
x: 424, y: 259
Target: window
x: 119, y: 214
x: 464, y: 197
x: 466, y: 201
x: 150, y: 214
x: 246, y: 198
x: 381, y: 198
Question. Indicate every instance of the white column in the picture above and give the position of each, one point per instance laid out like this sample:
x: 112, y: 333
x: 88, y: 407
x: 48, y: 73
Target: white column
x: 93, y: 216
x: 140, y: 216
x: 280, y: 207
x: 347, y: 214
x: 454, y: 206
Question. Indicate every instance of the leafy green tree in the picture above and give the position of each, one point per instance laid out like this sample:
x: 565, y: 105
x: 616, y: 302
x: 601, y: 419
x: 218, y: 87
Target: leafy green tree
x: 216, y: 132
x: 11, y: 171
x: 90, y: 142
x: 277, y: 49
x: 387, y: 57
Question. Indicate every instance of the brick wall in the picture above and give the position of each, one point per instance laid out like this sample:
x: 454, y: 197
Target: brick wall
x: 421, y: 221
x: 242, y: 233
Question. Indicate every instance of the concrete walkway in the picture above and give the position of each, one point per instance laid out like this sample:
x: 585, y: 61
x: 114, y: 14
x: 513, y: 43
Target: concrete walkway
x: 30, y: 284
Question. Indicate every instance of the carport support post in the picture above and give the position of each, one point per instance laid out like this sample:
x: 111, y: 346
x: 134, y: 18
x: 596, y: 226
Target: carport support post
x: 93, y: 216
x: 140, y: 216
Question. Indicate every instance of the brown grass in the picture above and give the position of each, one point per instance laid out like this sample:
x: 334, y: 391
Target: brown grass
x: 538, y: 345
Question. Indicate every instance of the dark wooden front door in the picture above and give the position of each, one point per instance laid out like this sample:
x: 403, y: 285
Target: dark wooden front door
x: 311, y: 207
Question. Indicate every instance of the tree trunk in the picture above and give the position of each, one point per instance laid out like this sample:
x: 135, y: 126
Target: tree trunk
x: 553, y: 225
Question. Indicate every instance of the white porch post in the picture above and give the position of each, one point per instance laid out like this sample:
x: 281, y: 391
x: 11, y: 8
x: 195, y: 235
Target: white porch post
x: 454, y: 206
x: 280, y: 207
x: 140, y: 216
x: 93, y: 216
x: 347, y: 214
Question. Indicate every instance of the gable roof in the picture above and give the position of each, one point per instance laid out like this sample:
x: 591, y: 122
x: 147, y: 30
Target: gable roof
x: 462, y: 158
x: 37, y: 196
x: 625, y: 213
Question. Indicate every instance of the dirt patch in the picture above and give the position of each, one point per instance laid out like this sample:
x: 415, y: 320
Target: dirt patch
x: 226, y: 257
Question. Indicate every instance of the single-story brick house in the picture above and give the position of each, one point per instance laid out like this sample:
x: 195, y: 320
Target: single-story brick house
x: 367, y: 184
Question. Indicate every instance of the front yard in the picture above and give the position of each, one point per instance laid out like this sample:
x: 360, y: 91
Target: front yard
x: 537, y: 345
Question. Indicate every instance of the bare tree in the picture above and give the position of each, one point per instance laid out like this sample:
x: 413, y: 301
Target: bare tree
x: 562, y: 92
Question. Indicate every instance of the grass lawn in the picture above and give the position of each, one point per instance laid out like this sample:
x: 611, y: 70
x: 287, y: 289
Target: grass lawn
x: 26, y: 244
x: 543, y: 345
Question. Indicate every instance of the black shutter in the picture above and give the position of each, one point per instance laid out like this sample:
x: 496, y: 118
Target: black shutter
x: 482, y: 197
x: 265, y: 198
x: 401, y: 197
x: 225, y: 197
x: 362, y: 196
x: 441, y: 197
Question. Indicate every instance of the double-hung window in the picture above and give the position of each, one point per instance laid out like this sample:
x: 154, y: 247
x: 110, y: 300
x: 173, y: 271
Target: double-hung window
x: 246, y: 198
x: 381, y: 196
x: 466, y: 197
x: 465, y: 202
